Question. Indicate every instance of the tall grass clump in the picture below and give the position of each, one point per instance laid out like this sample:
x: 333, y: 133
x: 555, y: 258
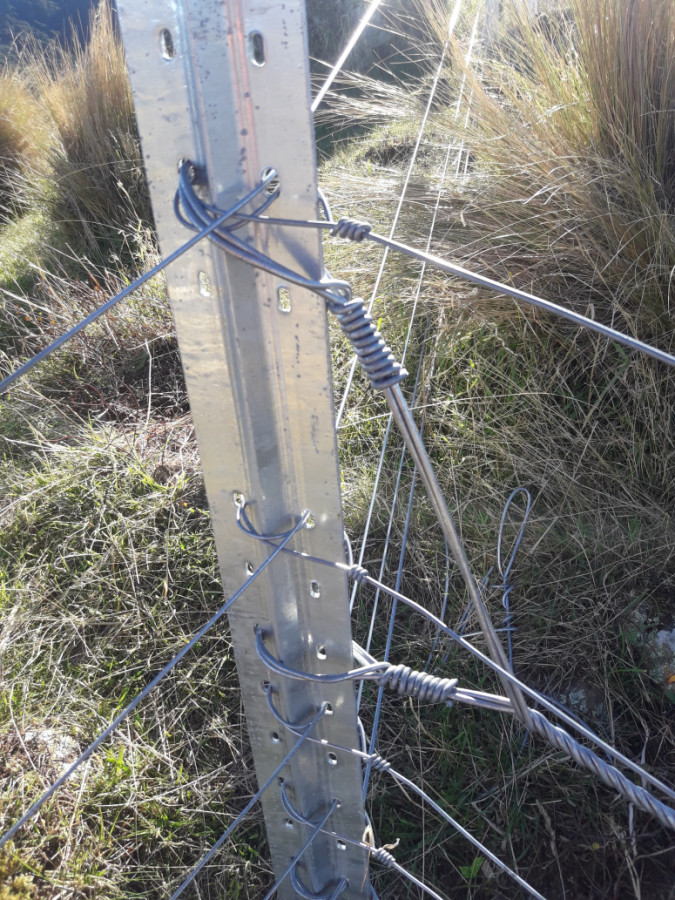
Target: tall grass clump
x: 22, y: 139
x: 572, y: 132
x: 94, y: 181
x: 561, y: 184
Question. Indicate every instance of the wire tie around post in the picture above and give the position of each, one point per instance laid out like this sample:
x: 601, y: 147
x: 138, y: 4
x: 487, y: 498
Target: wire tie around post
x: 303, y: 891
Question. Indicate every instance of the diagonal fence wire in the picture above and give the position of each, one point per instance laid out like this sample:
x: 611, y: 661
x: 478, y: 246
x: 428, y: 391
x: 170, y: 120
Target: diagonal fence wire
x: 557, y: 736
x: 358, y: 231
x: 130, y: 707
x: 304, y: 736
x: 208, y: 229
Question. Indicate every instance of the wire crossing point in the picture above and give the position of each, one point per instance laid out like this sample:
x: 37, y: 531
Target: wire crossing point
x: 225, y: 84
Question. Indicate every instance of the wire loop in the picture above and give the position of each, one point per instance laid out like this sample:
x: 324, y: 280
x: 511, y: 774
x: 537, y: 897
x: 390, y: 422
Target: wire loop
x: 420, y: 685
x: 351, y: 230
x: 303, y: 891
x: 378, y: 361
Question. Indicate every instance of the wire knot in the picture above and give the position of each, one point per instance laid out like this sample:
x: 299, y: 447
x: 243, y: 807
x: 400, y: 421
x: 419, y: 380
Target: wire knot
x: 358, y: 574
x: 421, y: 685
x: 352, y: 230
x: 383, y: 856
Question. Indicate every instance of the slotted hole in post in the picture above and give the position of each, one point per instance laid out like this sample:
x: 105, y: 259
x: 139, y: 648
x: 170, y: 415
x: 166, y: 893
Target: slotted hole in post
x: 329, y: 709
x: 238, y: 499
x: 265, y: 685
x: 166, y: 44
x: 341, y: 845
x: 256, y: 43
x: 250, y: 569
x: 283, y: 299
x: 321, y: 651
x: 332, y: 759
x: 314, y: 589
x: 204, y: 284
x: 289, y: 823
x: 272, y: 186
x: 275, y: 737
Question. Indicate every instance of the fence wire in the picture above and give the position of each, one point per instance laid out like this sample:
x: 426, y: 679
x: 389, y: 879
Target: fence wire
x: 384, y: 373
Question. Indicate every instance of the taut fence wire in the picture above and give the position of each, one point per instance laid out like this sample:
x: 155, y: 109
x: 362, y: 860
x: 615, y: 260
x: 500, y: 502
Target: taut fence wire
x: 385, y: 373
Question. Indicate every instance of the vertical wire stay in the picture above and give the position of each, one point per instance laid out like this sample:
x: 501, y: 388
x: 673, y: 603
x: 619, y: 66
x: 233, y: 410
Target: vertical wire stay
x: 346, y: 53
x: 420, y: 282
x: 24, y: 369
x: 553, y: 736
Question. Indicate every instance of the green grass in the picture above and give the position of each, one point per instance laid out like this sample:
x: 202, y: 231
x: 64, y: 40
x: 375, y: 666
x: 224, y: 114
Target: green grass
x: 109, y: 561
x: 108, y: 564
x: 556, y: 208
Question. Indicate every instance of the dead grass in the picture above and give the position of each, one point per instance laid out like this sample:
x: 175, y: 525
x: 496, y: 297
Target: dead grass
x: 92, y: 176
x: 108, y: 562
x: 22, y: 137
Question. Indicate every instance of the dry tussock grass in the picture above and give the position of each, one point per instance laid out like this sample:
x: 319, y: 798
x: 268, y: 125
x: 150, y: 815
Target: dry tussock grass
x: 108, y: 561
x: 568, y: 194
x: 22, y: 138
x: 95, y: 159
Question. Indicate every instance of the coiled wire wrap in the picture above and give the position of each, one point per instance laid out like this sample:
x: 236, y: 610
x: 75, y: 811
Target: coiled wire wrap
x: 352, y: 230
x: 383, y: 856
x: 403, y: 679
x: 377, y: 359
x: 378, y: 763
x: 420, y: 685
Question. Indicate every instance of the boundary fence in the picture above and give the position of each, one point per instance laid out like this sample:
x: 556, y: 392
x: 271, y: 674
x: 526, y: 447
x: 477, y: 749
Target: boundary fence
x: 297, y: 663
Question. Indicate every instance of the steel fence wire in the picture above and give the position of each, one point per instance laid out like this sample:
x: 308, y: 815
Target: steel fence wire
x: 385, y: 374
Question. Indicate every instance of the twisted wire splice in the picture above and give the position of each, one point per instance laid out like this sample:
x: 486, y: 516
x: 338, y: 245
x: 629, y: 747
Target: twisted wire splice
x: 352, y: 230
x: 378, y: 763
x: 383, y: 856
x: 376, y: 358
x: 403, y: 679
x: 603, y: 770
x: 358, y: 573
x: 420, y: 685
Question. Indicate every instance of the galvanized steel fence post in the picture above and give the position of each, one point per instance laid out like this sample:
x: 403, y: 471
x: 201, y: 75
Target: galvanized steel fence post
x: 225, y: 83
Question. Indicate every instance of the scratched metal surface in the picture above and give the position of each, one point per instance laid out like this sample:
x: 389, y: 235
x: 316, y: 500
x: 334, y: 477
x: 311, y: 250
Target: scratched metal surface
x: 258, y: 379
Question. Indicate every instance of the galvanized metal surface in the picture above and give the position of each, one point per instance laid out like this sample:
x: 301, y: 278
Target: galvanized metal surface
x: 225, y: 83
